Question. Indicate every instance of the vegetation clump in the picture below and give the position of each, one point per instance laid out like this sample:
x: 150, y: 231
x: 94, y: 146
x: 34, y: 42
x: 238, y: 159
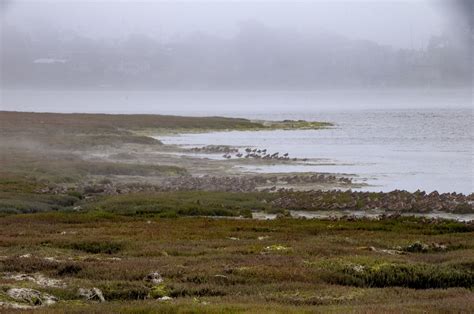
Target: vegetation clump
x: 296, y: 124
x: 158, y: 291
x: 96, y: 247
x: 387, y: 274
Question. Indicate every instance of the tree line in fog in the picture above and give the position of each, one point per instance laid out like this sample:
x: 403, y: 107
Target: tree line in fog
x: 257, y: 57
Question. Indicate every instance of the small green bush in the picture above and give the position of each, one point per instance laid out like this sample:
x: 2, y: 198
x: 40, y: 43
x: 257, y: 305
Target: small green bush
x: 124, y: 290
x: 96, y: 247
x: 158, y: 291
x: 76, y: 194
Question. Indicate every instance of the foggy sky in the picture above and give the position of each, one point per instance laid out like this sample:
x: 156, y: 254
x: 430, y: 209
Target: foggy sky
x: 402, y: 24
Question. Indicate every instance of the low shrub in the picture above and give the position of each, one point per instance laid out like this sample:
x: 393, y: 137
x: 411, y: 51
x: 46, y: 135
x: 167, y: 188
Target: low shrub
x: 27, y: 264
x: 195, y: 291
x: 68, y: 269
x: 416, y: 276
x: 96, y: 247
x: 158, y: 291
x: 124, y: 290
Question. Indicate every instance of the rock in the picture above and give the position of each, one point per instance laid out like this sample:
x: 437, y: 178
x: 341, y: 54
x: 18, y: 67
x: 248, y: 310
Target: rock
x: 284, y: 214
x: 277, y: 247
x: 386, y: 251
x: 31, y: 296
x: 93, y: 294
x: 37, y: 278
x: 154, y: 277
x: 358, y: 268
x: 165, y: 298
x: 439, y: 247
x: 417, y: 247
x: 14, y: 305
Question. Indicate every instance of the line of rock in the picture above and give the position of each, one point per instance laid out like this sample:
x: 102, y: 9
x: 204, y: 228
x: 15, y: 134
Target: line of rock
x: 401, y: 201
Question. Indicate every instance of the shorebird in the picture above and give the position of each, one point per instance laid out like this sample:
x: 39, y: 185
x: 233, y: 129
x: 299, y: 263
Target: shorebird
x: 248, y: 150
x: 285, y: 155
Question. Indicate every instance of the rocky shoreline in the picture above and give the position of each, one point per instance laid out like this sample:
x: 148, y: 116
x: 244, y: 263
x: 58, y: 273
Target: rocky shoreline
x: 399, y: 201
x: 285, y: 198
x: 248, y: 183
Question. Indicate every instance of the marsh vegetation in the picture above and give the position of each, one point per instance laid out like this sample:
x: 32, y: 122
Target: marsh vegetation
x: 216, y: 265
x: 91, y: 224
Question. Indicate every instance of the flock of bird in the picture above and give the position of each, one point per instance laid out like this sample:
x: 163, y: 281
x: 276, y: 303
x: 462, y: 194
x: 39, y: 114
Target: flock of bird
x: 260, y: 154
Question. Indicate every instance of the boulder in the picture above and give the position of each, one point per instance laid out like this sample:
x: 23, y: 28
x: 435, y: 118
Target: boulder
x: 37, y: 278
x: 165, y: 298
x: 154, y: 277
x: 93, y: 294
x: 31, y: 296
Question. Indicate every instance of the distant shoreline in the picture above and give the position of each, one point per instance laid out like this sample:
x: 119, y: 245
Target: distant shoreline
x: 228, y: 102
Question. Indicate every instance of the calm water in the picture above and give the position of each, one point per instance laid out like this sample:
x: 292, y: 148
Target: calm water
x: 427, y: 149
x: 414, y: 142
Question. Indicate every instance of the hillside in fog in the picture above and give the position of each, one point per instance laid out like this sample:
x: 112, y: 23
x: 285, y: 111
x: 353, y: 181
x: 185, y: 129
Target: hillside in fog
x: 234, y: 46
x: 257, y: 57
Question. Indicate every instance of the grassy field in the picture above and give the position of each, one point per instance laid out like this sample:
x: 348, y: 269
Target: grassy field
x: 222, y: 265
x: 56, y: 130
x: 84, y: 131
